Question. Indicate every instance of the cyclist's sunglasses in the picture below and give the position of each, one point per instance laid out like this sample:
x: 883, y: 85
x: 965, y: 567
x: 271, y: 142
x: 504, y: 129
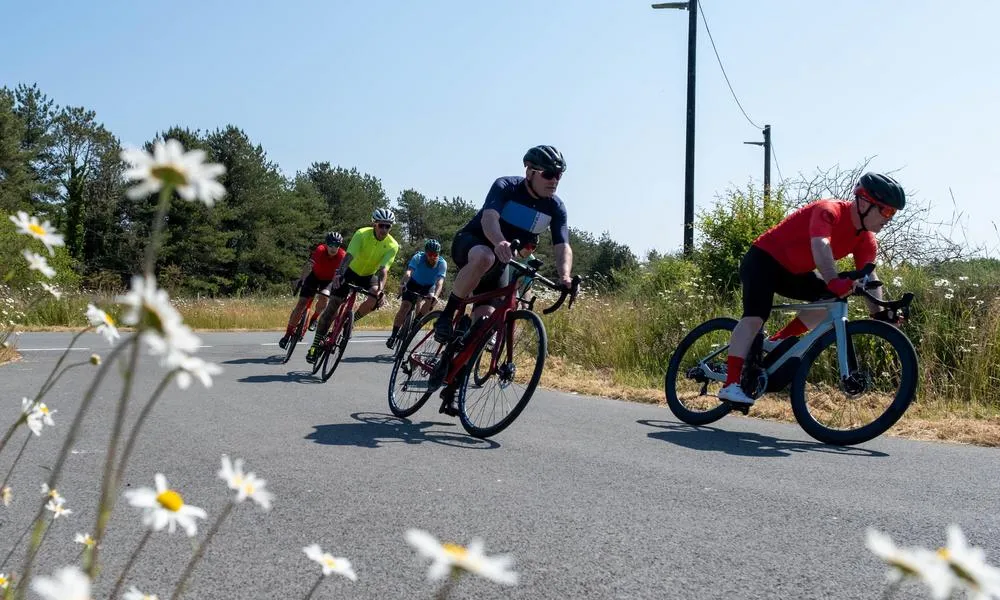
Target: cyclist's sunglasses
x: 383, y: 225
x: 431, y: 255
x: 549, y: 175
x: 886, y: 211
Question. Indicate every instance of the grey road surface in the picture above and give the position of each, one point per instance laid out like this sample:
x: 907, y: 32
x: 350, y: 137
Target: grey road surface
x: 594, y: 498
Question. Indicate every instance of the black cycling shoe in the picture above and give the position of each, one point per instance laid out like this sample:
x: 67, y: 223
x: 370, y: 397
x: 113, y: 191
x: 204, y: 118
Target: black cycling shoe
x: 389, y: 343
x: 283, y: 342
x: 312, y: 325
x: 449, y: 405
x: 312, y: 354
x: 443, y: 331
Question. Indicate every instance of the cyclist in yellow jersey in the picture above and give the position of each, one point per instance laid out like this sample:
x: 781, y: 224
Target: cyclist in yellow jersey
x: 369, y: 255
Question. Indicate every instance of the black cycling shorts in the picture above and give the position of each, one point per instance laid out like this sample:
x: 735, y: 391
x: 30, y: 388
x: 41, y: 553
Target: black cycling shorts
x: 312, y: 285
x: 365, y: 281
x: 496, y: 277
x: 413, y: 291
x: 763, y: 276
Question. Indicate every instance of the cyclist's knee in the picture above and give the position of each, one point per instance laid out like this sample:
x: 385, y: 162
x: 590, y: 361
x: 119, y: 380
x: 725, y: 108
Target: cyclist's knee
x: 481, y: 258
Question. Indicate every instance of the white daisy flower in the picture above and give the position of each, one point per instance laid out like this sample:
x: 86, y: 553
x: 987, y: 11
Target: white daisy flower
x: 37, y: 262
x: 969, y: 566
x: 55, y: 291
x: 912, y: 562
x: 135, y: 594
x: 6, y: 495
x: 41, y: 231
x: 69, y: 583
x: 162, y: 326
x: 191, y: 367
x: 85, y: 539
x: 896, y: 281
x: 52, y: 494
x: 247, y: 485
x: 330, y: 564
x: 941, y: 282
x: 39, y: 415
x: 58, y: 509
x: 4, y: 581
x: 963, y: 278
x: 163, y: 507
x: 448, y: 557
x: 103, y: 323
x: 187, y: 172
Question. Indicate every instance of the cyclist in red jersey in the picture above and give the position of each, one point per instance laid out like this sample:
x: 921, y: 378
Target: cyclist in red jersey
x: 317, y: 273
x: 785, y: 258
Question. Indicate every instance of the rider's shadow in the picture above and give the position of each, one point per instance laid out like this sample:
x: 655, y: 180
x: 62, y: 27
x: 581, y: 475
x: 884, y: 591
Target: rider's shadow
x: 274, y: 359
x: 743, y: 443
x: 373, y: 430
x: 289, y: 377
x: 378, y: 358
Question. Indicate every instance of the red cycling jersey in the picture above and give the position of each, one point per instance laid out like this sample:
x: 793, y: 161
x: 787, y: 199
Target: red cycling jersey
x: 789, y: 242
x: 324, y: 265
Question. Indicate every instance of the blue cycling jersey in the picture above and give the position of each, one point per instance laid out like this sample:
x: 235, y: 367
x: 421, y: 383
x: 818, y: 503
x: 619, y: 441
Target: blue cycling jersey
x: 424, y: 274
x: 522, y: 216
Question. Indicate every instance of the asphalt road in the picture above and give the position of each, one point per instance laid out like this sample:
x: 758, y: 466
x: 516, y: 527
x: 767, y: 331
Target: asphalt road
x: 594, y: 498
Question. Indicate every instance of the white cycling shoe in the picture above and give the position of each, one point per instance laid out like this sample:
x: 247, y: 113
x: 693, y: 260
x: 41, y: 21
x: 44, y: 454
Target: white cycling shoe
x: 735, y: 394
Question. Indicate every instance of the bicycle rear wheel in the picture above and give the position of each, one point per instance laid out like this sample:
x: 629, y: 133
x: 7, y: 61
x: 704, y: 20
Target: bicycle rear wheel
x: 488, y: 409
x: 295, y: 337
x: 408, y: 384
x: 692, y: 381
x: 331, y: 359
x: 880, y: 386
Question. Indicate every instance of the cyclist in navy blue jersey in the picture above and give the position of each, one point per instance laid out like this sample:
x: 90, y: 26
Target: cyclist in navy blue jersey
x: 515, y: 208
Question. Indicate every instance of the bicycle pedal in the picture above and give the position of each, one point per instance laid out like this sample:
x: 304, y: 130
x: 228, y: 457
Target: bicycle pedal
x: 738, y: 407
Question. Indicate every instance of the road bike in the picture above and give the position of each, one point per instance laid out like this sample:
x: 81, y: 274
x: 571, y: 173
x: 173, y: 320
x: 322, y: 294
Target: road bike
x: 331, y: 349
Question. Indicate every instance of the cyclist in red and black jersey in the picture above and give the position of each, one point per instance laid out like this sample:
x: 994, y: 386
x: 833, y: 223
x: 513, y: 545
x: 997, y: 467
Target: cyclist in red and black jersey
x: 316, y: 275
x: 785, y: 258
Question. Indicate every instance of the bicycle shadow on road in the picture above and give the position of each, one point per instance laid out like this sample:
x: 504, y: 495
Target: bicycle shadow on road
x: 380, y: 358
x: 261, y: 360
x: 374, y: 430
x: 743, y: 443
x: 289, y: 377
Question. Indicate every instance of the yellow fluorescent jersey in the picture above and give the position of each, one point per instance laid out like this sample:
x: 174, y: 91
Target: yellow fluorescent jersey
x: 368, y: 255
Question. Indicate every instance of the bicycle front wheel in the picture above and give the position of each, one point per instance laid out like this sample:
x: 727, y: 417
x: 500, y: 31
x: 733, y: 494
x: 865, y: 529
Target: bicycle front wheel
x: 333, y: 356
x: 488, y: 409
x: 877, y: 390
x: 294, y: 339
x: 697, y: 371
x: 403, y: 333
x: 409, y: 386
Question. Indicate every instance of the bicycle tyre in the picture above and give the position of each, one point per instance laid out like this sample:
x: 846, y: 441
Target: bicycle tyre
x: 680, y: 410
x: 294, y: 339
x: 901, y: 400
x: 336, y: 352
x: 403, y: 333
x: 541, y: 347
x: 479, y: 378
x: 418, y: 335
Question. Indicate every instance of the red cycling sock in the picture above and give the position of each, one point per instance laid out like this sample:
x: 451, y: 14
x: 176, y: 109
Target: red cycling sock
x: 795, y: 327
x: 734, y: 367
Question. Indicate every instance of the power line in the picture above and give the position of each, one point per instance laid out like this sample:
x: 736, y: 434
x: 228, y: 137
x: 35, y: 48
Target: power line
x: 774, y: 155
x: 705, y: 21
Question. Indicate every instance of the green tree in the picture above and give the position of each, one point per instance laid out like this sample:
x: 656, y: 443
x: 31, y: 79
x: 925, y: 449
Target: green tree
x: 16, y: 178
x: 351, y: 196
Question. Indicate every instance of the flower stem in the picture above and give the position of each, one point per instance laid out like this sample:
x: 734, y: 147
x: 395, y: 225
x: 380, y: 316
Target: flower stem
x: 149, y: 262
x: 446, y: 589
x: 88, y: 397
x: 10, y: 432
x: 315, y: 586
x: 50, y: 384
x: 134, y: 434
x: 14, y: 547
x: 16, y: 458
x: 131, y: 561
x: 41, y: 392
x: 45, y: 386
x: 108, y: 483
x: 201, y: 551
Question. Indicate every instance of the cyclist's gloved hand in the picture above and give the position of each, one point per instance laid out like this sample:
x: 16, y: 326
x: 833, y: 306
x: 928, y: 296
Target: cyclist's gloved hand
x: 841, y: 286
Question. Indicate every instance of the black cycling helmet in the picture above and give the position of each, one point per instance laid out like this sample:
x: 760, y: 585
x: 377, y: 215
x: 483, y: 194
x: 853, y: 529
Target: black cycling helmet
x: 334, y: 239
x: 383, y: 215
x: 432, y: 246
x: 546, y: 158
x: 881, y: 189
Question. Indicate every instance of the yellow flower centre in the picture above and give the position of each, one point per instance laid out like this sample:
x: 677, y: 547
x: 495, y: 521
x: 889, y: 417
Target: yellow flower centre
x: 170, y: 500
x: 328, y: 561
x: 108, y: 320
x: 37, y: 230
x: 170, y: 175
x: 45, y: 411
x: 3, y: 582
x: 454, y: 550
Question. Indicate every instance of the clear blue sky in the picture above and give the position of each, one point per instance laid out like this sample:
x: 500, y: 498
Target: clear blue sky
x: 443, y: 96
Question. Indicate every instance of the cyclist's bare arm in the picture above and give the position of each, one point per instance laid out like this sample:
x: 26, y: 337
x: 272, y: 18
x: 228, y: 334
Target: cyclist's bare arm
x: 823, y: 256
x: 380, y: 276
x: 405, y: 278
x: 564, y: 262
x: 307, y: 269
x: 491, y: 228
x: 436, y: 292
x: 338, y: 277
